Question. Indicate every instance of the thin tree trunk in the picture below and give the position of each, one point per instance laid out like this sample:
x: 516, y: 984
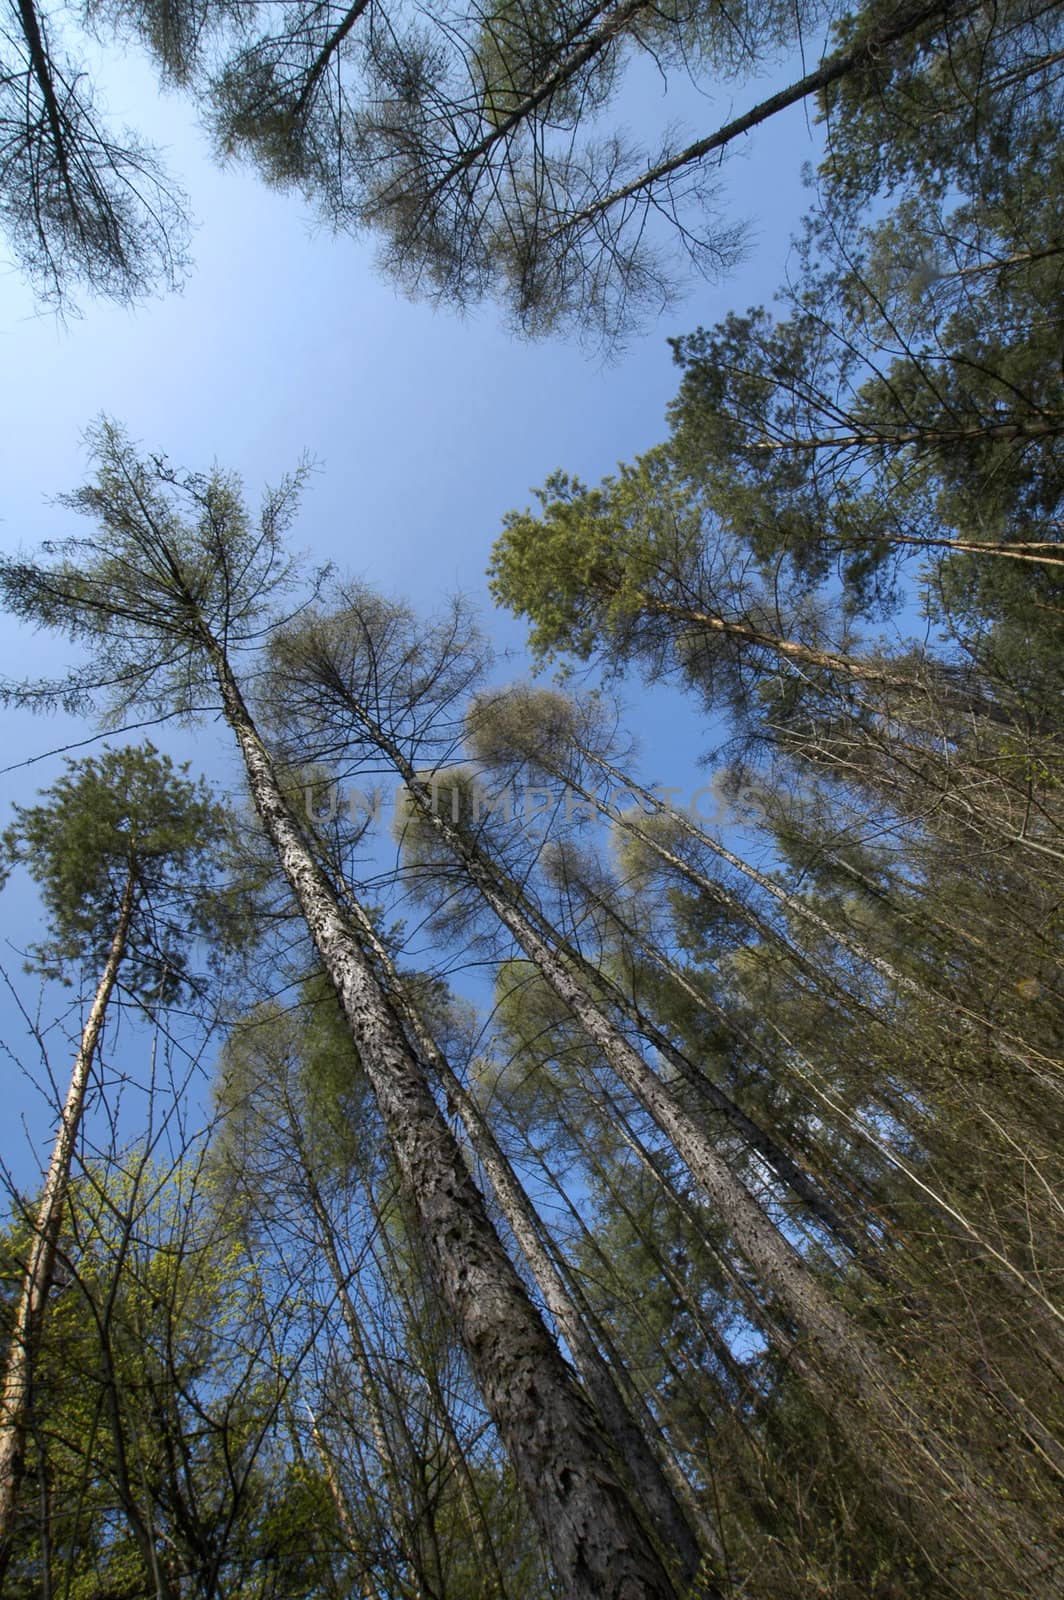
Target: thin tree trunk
x: 1007, y: 1044
x: 423, y: 1470
x: 40, y: 1267
x: 472, y: 1504
x: 856, y: 669
x: 326, y: 53
x: 933, y: 788
x: 1035, y: 428
x: 715, y: 1342
x: 339, y: 1500
x: 349, y: 1316
x: 767, y: 1147
x: 1046, y: 552
x: 844, y: 1120
x: 831, y: 70
x: 804, y: 1185
x: 791, y: 903
x: 140, y: 1523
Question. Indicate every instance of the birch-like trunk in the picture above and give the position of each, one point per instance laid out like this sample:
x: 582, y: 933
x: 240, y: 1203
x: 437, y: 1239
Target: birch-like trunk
x: 40, y: 1268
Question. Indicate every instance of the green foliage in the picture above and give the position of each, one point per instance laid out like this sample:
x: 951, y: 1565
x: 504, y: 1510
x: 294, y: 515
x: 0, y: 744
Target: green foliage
x: 871, y: 978
x: 582, y: 569
x: 906, y: 401
x: 130, y: 819
x: 519, y: 44
x: 155, y: 1444
x: 292, y: 1077
x: 176, y: 567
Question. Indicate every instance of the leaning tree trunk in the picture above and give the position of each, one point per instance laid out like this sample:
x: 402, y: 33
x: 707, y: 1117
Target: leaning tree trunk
x: 39, y: 1274
x: 856, y: 57
x: 715, y: 891
x: 657, y: 1478
x: 859, y: 672
x: 782, y: 1164
x: 951, y: 1012
x: 562, y: 1459
x: 948, y: 1010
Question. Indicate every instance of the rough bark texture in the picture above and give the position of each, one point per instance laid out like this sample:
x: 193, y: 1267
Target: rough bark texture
x: 590, y: 1528
x: 657, y: 1480
x: 40, y: 1268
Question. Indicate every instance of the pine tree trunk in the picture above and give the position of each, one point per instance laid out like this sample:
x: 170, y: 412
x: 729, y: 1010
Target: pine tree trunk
x: 767, y: 1147
x: 834, y: 67
x: 589, y: 1527
x: 854, y: 669
x: 665, y: 1493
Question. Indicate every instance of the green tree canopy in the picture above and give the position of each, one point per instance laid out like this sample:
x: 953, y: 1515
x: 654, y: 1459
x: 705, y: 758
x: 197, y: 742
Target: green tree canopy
x: 129, y: 813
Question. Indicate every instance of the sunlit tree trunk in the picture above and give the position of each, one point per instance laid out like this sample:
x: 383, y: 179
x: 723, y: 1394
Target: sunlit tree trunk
x: 39, y: 1273
x: 590, y: 1528
x: 657, y: 1480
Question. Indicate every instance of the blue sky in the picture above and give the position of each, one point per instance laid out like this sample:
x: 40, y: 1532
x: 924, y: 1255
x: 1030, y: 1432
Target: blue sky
x: 427, y: 426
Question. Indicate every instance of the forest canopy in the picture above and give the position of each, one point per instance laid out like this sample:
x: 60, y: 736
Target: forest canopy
x: 481, y: 1172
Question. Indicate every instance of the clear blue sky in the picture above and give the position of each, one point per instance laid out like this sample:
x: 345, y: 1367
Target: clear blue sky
x: 427, y: 426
